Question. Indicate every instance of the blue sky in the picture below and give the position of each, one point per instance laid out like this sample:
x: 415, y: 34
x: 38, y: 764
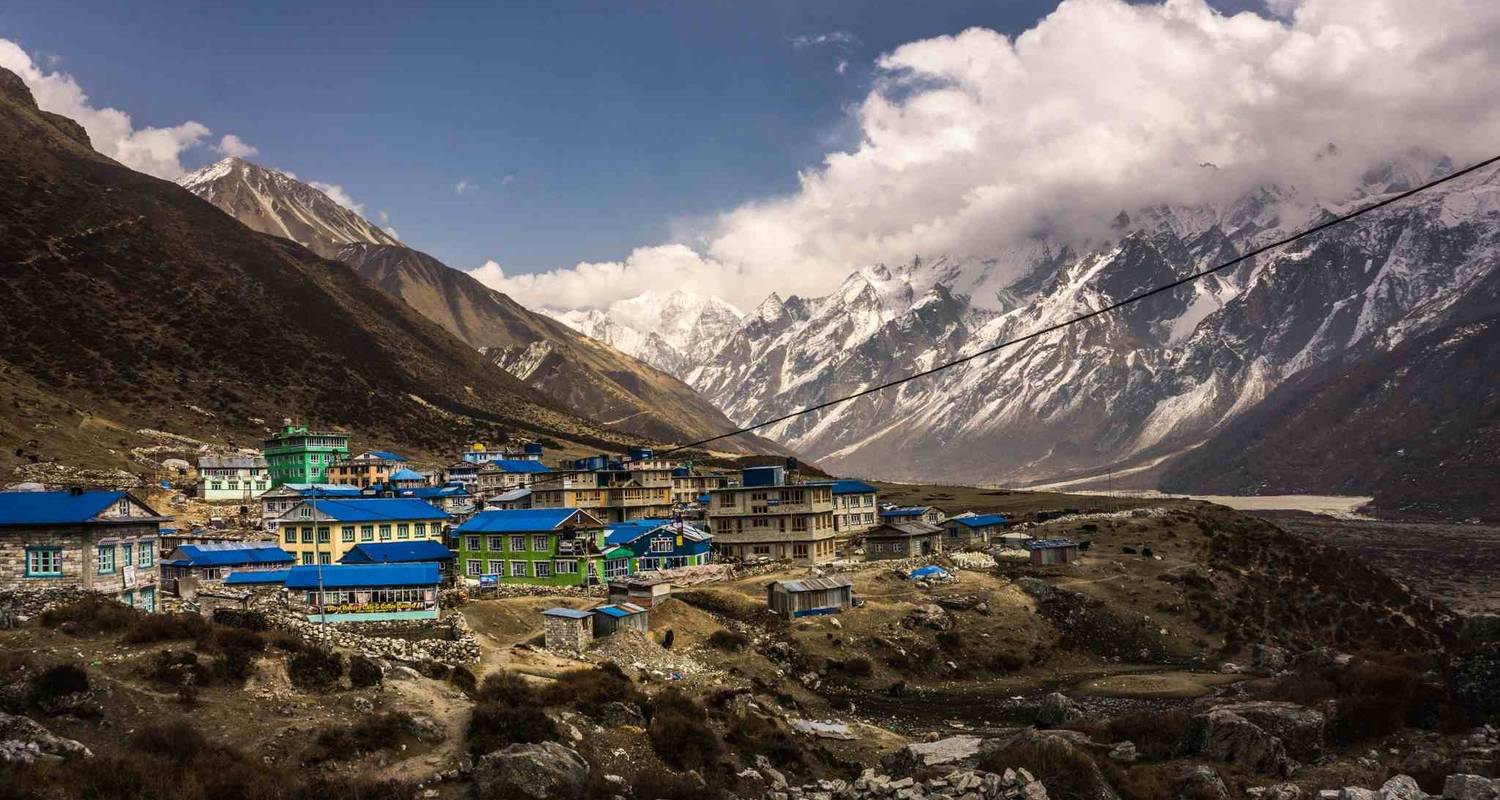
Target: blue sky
x: 584, y: 128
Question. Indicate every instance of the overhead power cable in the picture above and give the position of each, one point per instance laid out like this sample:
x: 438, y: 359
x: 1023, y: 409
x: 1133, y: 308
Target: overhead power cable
x: 1135, y: 298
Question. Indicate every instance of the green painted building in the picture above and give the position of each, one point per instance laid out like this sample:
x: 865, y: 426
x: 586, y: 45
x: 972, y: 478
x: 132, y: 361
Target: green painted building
x: 296, y: 455
x: 535, y: 546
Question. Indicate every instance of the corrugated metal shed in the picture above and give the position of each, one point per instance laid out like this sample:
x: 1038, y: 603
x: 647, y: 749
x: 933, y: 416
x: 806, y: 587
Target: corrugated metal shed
x: 979, y: 520
x: 567, y: 613
x: 816, y: 584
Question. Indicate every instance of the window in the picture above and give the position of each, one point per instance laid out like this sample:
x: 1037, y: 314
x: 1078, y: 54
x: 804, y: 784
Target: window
x: 420, y: 530
x: 613, y: 568
x: 367, y: 533
x: 307, y: 558
x: 471, y: 542
x: 145, y: 556
x: 127, y: 554
x: 869, y: 500
x: 661, y: 544
x: 473, y: 567
x: 544, y: 569
x: 799, y: 551
x: 323, y: 534
x: 290, y: 537
x: 44, y: 562
x: 518, y: 544
x: 496, y: 568
x: 123, y: 508
x: 106, y: 563
x: 215, y: 485
x: 304, y: 512
x: 518, y: 569
x: 346, y: 533
x: 403, y: 531
x: 799, y: 523
x: 385, y: 533
x: 324, y: 558
x: 539, y: 544
x: 307, y: 534
x: 761, y: 549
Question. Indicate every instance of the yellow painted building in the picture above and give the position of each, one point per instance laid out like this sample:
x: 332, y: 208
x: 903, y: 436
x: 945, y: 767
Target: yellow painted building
x: 321, y: 531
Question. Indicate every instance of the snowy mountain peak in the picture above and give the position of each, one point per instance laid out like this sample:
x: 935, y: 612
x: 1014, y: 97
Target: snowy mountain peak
x: 276, y: 202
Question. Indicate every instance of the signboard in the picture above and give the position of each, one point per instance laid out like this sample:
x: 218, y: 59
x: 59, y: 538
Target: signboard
x: 128, y: 575
x: 489, y: 581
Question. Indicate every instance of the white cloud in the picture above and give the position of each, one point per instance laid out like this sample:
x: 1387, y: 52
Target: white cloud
x: 157, y: 151
x: 337, y: 194
x: 505, y: 181
x: 232, y: 145
x: 463, y: 186
x: 968, y: 143
x: 843, y: 66
x: 843, y: 39
x: 391, y: 229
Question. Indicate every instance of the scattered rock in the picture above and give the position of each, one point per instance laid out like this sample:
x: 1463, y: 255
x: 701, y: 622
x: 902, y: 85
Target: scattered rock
x: 1228, y: 737
x: 1401, y: 787
x: 1269, y: 658
x: 931, y: 616
x: 1124, y: 752
x: 918, y: 756
x: 1056, y: 709
x: 363, y: 705
x: 25, y: 741
x: 545, y: 771
x: 1299, y: 728
x: 1200, y: 783
x: 1471, y: 787
x: 616, y: 713
x: 822, y: 730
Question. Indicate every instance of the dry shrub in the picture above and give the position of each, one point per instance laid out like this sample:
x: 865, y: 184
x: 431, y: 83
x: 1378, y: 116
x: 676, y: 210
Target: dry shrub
x: 58, y: 682
x: 1068, y: 772
x: 90, y: 616
x: 167, y: 628
x: 588, y: 690
x: 364, y: 672
x: 507, y: 711
x: 856, y: 667
x: 727, y: 640
x: 315, y: 669
x: 383, y: 731
x: 724, y: 603
x: 1154, y: 733
x: 680, y: 734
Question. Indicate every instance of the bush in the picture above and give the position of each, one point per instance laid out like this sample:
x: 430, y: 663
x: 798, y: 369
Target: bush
x: 493, y: 725
x: 857, y: 667
x: 167, y: 628
x: 90, y: 616
x: 1155, y: 734
x: 756, y: 735
x: 58, y: 682
x: 1068, y: 772
x: 384, y: 731
x: 680, y: 734
x: 588, y: 690
x: 175, y: 741
x: 315, y: 669
x: 724, y: 603
x: 364, y: 672
x: 464, y: 679
x: 287, y: 641
x: 950, y: 641
x: 727, y: 640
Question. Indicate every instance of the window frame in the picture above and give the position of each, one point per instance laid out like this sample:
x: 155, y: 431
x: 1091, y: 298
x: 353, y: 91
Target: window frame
x: 55, y: 551
x: 99, y: 553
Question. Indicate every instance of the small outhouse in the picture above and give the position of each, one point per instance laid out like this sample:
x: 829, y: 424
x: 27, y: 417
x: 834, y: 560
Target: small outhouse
x: 808, y: 597
x: 567, y: 630
x: 610, y: 619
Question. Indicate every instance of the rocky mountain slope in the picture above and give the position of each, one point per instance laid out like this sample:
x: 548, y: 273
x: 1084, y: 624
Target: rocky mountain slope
x: 579, y: 372
x: 582, y: 374
x: 1134, y: 389
x: 664, y: 331
x: 129, y: 305
x: 277, y: 203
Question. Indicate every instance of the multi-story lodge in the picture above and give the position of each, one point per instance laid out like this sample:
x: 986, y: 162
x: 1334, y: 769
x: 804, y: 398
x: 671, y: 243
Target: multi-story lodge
x: 689, y: 484
x: 321, y: 531
x: 854, y: 508
x: 366, y: 469
x: 767, y: 517
x: 478, y: 453
x: 280, y: 500
x: 232, y: 478
x: 100, y: 541
x: 501, y: 475
x: 296, y: 455
x: 546, y: 547
x: 649, y: 544
x: 611, y: 494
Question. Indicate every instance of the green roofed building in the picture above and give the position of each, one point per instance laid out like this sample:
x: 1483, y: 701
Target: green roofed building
x: 296, y: 455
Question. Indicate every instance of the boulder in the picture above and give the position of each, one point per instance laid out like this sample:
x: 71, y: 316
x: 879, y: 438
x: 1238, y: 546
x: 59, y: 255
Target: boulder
x: 1228, y: 737
x: 616, y: 713
x: 545, y: 771
x: 24, y: 741
x: 427, y: 729
x: 1269, y: 659
x: 1282, y: 791
x: 1201, y: 783
x: 931, y: 616
x: 1299, y: 728
x: 1471, y: 787
x: 1124, y: 753
x: 1056, y: 709
x: 919, y: 756
x: 1401, y: 787
x: 1356, y: 793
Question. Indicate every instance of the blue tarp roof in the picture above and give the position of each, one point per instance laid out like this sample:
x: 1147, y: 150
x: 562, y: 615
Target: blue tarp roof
x: 909, y: 511
x: 363, y: 576
x: 518, y: 520
x: 54, y: 508
x: 407, y: 475
x: 220, y: 554
x: 397, y: 552
x: 923, y: 572
x: 979, y: 520
x: 378, y: 509
x: 520, y: 465
x: 256, y: 577
x: 1048, y: 544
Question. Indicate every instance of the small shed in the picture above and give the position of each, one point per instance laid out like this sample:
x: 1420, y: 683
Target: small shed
x: 615, y: 617
x: 810, y: 596
x: 1014, y: 540
x: 1045, y: 552
x: 567, y: 630
x: 642, y: 590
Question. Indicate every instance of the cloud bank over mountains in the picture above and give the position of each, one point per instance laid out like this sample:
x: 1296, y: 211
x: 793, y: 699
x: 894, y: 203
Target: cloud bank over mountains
x: 156, y: 151
x: 972, y: 142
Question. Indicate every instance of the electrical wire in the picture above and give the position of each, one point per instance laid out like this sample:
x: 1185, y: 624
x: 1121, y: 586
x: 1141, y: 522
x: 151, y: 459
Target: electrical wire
x: 1135, y: 298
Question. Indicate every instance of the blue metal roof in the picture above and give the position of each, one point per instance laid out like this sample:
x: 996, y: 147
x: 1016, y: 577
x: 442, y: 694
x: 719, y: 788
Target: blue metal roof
x: 624, y: 532
x: 397, y: 552
x: 407, y: 475
x: 363, y: 576
x: 425, y: 492
x: 910, y: 511
x: 324, y: 489
x: 979, y: 520
x: 613, y: 611
x: 256, y: 577
x: 377, y: 509
x: 520, y: 465
x: 221, y: 554
x: 852, y: 487
x: 386, y: 454
x: 57, y: 508
x: 567, y: 613
x: 517, y: 520
x: 1049, y: 544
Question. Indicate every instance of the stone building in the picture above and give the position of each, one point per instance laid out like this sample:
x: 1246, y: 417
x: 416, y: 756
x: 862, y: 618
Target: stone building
x: 101, y: 541
x: 567, y: 630
x: 768, y: 518
x: 903, y: 539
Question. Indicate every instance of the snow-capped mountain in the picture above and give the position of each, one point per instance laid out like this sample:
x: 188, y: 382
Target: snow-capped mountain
x: 277, y: 203
x: 661, y: 330
x: 1126, y: 391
